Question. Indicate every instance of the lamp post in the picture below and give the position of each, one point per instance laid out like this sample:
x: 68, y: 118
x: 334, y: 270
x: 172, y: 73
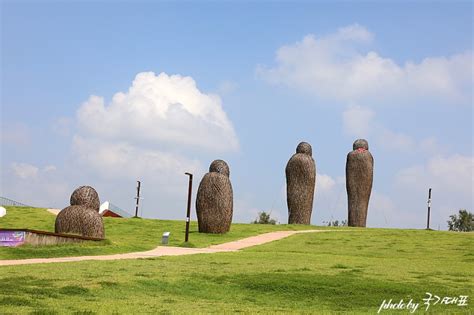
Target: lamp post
x: 137, y: 198
x: 188, y: 212
x: 429, y: 210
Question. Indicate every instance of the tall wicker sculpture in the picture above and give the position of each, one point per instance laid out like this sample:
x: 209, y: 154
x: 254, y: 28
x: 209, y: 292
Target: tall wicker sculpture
x: 82, y: 217
x: 359, y: 178
x: 214, y: 201
x: 300, y: 184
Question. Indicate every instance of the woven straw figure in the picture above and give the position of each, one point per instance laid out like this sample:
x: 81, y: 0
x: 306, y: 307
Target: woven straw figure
x: 82, y: 217
x: 359, y: 178
x: 300, y: 185
x: 86, y: 196
x: 214, y: 201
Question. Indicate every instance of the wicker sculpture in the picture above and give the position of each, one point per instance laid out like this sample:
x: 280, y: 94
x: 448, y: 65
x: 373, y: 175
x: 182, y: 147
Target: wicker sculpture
x: 214, y: 201
x: 300, y: 185
x: 359, y: 178
x: 86, y: 196
x: 82, y: 217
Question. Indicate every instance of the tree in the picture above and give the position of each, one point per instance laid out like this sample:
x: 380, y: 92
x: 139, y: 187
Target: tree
x: 264, y: 218
x: 463, y: 222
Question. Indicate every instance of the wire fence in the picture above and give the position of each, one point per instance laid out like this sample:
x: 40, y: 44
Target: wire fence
x: 119, y: 211
x: 9, y: 202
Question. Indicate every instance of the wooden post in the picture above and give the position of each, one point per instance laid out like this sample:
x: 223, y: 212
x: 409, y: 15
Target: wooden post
x: 188, y: 212
x: 138, y: 198
x: 429, y: 210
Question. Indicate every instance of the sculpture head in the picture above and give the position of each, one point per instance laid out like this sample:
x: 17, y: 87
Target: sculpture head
x: 85, y: 196
x: 305, y: 148
x: 360, y: 144
x: 219, y: 166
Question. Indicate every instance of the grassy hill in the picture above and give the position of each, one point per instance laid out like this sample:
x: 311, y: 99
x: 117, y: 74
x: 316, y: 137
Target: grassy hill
x: 123, y: 235
x: 348, y: 271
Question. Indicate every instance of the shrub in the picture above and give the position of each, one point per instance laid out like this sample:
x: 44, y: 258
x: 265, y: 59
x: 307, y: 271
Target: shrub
x: 264, y: 218
x: 336, y: 223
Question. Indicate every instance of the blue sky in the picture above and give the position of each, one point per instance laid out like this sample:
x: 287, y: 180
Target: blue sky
x: 245, y: 82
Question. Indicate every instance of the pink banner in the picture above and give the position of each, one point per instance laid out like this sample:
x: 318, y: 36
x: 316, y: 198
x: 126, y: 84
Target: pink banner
x: 12, y: 238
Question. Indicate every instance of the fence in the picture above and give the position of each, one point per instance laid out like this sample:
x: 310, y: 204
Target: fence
x: 8, y: 202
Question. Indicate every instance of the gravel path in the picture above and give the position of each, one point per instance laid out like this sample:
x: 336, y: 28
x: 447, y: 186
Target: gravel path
x: 168, y: 250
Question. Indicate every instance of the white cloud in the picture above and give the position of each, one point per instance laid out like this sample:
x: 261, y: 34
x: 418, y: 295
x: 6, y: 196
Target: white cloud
x: 36, y: 186
x: 360, y: 122
x: 335, y: 67
x: 164, y: 185
x: 154, y: 132
x: 324, y: 182
x: 431, y: 146
x: 122, y: 160
x: 357, y: 121
x: 450, y: 174
x: 451, y: 178
x: 163, y: 109
x: 342, y: 67
x: 391, y: 140
x: 24, y: 170
x: 354, y: 32
x: 49, y: 168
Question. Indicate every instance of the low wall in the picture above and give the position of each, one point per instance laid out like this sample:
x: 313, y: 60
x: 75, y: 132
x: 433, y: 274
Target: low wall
x: 18, y: 237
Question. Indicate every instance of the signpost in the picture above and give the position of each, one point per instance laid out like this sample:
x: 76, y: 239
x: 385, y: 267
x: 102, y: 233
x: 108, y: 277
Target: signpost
x: 188, y: 213
x: 429, y: 210
x: 137, y: 198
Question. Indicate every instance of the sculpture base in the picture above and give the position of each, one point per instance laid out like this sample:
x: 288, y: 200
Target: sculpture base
x: 18, y: 237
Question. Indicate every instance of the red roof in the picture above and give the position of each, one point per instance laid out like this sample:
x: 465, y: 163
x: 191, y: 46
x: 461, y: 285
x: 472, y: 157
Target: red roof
x: 110, y: 213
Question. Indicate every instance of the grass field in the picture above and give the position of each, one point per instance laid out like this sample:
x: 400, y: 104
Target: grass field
x: 123, y: 235
x: 348, y: 271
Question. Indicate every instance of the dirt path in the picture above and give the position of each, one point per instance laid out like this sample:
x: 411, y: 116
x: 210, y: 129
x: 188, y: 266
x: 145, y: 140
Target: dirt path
x: 54, y: 211
x: 168, y: 250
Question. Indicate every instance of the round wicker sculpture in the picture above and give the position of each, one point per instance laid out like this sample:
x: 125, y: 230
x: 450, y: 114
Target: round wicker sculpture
x: 214, y: 201
x: 82, y: 217
x: 80, y: 220
x: 85, y: 196
x: 359, y: 178
x: 300, y: 184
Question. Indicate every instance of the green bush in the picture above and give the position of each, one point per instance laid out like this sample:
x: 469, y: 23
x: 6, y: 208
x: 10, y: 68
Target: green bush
x: 264, y: 218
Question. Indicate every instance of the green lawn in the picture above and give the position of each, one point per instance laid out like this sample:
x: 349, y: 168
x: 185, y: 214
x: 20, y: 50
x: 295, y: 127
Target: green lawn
x: 349, y: 271
x: 123, y: 235
x: 345, y: 271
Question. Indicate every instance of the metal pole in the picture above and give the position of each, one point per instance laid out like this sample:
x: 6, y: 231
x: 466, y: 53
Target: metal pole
x: 188, y: 213
x: 138, y: 198
x: 429, y: 210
